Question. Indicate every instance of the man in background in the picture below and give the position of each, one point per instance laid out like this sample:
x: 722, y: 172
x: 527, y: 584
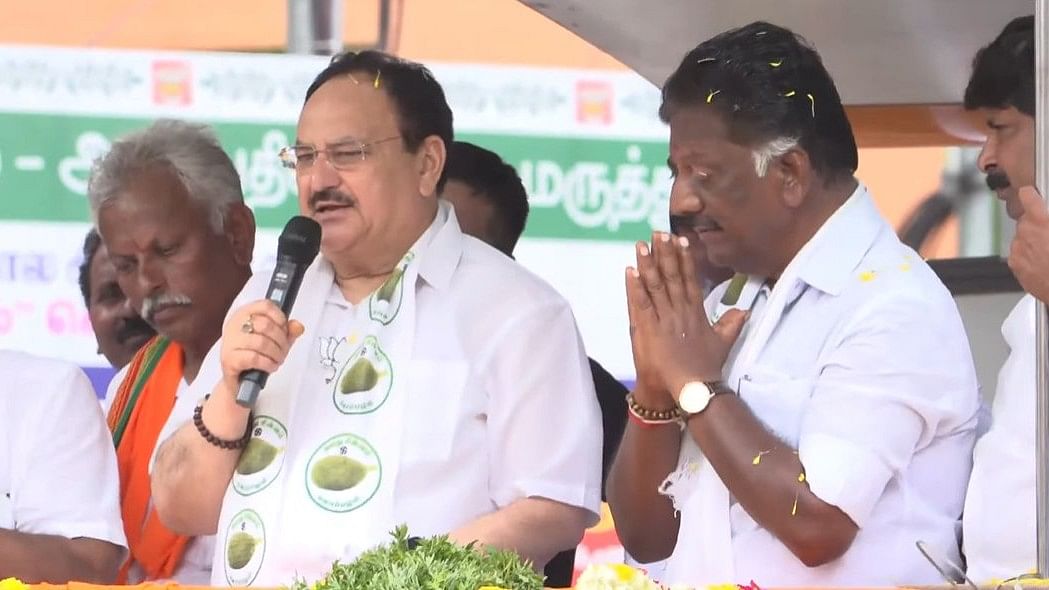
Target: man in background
x: 119, y: 330
x: 999, y: 517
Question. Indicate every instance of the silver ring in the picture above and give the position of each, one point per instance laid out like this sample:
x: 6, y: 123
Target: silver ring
x: 247, y: 327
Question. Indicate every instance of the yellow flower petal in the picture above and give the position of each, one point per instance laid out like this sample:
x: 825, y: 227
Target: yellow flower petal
x: 624, y: 572
x: 12, y: 584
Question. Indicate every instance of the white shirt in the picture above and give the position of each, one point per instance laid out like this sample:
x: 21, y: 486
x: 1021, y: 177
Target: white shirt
x: 502, y: 407
x: 195, y: 569
x: 858, y: 359
x: 999, y: 521
x: 58, y: 469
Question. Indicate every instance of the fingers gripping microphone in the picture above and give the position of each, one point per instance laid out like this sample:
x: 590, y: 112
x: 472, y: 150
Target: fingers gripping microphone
x: 296, y: 249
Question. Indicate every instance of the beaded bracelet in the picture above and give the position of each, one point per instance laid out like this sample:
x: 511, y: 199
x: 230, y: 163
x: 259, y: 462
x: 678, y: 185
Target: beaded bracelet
x: 651, y: 416
x: 643, y: 423
x: 229, y: 445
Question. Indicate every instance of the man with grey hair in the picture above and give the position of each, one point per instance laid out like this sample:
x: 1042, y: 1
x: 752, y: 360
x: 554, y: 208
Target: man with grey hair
x: 168, y: 204
x: 816, y: 415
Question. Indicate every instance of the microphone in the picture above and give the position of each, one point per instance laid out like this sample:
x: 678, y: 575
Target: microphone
x: 997, y: 180
x: 296, y: 248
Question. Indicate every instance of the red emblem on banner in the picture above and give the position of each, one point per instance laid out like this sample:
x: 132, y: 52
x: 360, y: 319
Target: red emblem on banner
x: 172, y: 83
x: 594, y: 100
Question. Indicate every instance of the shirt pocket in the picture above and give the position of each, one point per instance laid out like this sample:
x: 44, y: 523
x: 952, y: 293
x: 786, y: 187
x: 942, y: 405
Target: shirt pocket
x: 778, y: 400
x: 437, y: 405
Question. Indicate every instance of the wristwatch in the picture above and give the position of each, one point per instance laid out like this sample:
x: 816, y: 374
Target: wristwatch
x: 696, y: 395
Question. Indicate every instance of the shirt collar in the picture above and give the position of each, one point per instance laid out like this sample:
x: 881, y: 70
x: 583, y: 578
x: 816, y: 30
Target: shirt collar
x: 437, y: 251
x: 829, y: 259
x: 440, y: 247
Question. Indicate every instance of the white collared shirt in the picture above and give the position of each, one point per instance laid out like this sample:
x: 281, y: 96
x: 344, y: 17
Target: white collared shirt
x: 999, y: 520
x: 858, y: 359
x: 58, y: 469
x: 503, y: 399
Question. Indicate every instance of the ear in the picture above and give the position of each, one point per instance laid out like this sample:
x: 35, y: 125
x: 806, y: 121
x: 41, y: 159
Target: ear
x: 430, y: 159
x: 240, y: 232
x: 795, y: 171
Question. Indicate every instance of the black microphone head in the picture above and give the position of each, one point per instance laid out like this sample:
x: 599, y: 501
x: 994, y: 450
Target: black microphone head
x: 997, y: 180
x: 300, y: 240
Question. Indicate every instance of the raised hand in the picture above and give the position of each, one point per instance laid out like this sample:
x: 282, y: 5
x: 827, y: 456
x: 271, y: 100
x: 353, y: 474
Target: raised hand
x: 673, y: 340
x: 1029, y: 252
x: 257, y: 336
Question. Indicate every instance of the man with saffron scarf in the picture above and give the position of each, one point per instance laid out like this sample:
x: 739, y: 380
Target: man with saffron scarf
x: 168, y: 204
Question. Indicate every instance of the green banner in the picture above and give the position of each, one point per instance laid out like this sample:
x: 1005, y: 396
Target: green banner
x: 594, y: 189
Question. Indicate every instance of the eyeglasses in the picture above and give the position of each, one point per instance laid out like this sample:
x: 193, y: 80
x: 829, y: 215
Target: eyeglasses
x: 341, y: 155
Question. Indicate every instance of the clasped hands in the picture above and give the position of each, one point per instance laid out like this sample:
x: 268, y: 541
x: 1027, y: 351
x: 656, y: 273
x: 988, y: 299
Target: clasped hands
x: 671, y: 336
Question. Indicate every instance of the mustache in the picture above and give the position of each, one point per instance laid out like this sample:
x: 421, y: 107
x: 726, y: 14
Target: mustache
x: 154, y: 303
x: 691, y: 223
x: 330, y: 196
x: 998, y: 180
x: 131, y: 327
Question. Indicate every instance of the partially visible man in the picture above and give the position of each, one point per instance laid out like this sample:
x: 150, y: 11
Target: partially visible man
x: 442, y: 386
x: 491, y: 204
x: 999, y: 535
x: 807, y: 424
x: 119, y: 330
x: 490, y: 200
x: 168, y: 205
x: 59, y: 495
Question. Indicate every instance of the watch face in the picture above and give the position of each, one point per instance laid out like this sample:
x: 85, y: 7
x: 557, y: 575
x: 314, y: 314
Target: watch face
x: 694, y: 397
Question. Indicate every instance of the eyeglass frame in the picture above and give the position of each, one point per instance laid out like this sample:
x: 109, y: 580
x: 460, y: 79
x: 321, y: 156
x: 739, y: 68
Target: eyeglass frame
x: 362, y: 149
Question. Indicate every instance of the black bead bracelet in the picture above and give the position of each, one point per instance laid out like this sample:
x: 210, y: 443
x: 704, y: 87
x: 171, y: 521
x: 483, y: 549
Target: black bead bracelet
x: 229, y: 445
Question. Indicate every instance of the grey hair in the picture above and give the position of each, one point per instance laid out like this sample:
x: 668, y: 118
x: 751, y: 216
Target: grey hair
x: 777, y: 147
x: 191, y: 151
